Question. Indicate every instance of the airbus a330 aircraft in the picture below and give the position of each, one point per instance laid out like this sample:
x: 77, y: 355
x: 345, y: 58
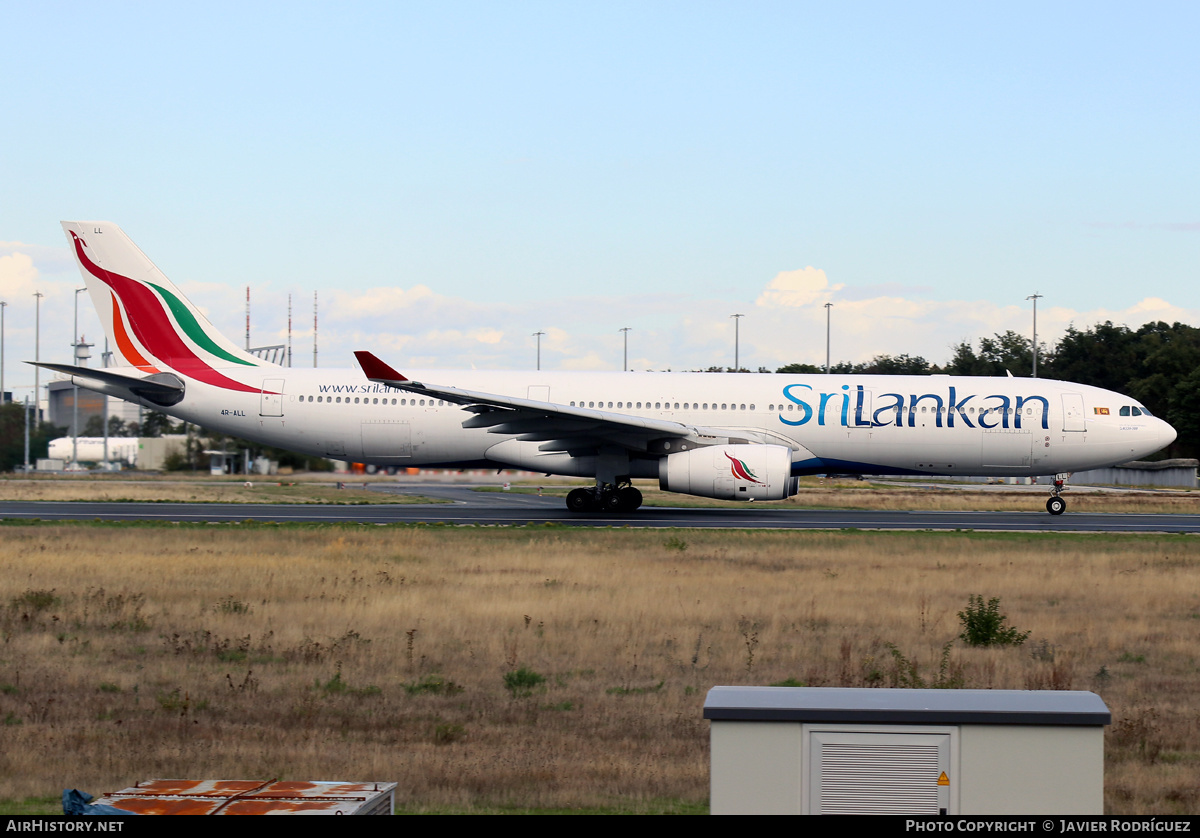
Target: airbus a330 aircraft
x: 737, y: 437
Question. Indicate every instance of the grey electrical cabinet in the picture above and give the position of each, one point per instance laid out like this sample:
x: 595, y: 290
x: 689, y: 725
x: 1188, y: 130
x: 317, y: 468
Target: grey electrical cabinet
x: 816, y: 750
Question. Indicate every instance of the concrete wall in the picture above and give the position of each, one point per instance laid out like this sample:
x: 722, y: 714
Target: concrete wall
x: 1177, y: 473
x: 153, y: 451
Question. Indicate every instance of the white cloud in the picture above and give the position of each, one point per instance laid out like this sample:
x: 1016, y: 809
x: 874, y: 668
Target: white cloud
x: 51, y: 260
x: 798, y: 288
x: 18, y: 276
x: 420, y: 328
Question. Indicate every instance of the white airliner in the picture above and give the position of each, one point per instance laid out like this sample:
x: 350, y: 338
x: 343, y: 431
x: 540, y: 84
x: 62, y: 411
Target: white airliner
x: 738, y: 437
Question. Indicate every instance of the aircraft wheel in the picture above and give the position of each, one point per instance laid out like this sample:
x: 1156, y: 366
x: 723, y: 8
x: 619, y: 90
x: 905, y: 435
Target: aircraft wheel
x: 1056, y: 505
x: 631, y: 499
x: 612, y: 502
x: 579, y: 500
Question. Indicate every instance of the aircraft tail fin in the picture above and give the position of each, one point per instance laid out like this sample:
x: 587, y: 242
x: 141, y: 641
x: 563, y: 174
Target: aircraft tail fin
x: 154, y: 327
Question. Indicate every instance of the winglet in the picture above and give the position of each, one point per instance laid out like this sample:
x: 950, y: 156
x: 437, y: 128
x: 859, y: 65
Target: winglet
x: 375, y: 369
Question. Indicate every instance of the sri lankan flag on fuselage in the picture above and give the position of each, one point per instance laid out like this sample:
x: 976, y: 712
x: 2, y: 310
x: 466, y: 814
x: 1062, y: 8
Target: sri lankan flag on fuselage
x: 154, y: 327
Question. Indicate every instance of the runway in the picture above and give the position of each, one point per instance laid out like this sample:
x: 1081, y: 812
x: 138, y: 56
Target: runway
x: 470, y: 508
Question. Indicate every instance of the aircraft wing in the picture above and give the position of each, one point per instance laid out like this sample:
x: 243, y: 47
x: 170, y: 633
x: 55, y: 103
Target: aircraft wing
x: 558, y: 427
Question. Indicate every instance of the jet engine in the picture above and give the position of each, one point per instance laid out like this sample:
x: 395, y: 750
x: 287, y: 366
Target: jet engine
x: 730, y: 472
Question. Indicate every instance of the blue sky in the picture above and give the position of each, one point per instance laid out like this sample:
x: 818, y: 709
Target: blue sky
x: 451, y: 178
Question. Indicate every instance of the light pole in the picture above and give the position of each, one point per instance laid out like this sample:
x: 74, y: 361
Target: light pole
x: 26, y: 472
x: 75, y: 387
x: 1035, y: 297
x: 538, y: 335
x: 828, y: 306
x: 737, y: 363
x: 3, y: 305
x: 37, y: 354
x: 626, y: 364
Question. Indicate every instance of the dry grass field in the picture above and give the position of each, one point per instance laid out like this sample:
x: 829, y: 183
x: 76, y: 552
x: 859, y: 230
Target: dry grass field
x: 550, y: 667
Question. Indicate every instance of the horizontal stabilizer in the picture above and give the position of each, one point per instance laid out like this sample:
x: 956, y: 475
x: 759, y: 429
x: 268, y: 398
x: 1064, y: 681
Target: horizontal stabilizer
x: 163, y: 389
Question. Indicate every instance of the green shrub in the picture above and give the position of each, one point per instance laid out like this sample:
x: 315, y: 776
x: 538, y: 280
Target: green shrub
x: 35, y: 600
x: 983, y: 624
x: 523, y: 681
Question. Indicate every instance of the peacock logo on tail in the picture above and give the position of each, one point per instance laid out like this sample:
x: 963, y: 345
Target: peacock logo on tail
x: 149, y: 318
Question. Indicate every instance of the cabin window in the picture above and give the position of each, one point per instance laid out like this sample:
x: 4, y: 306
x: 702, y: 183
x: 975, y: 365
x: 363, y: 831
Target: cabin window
x: 752, y: 407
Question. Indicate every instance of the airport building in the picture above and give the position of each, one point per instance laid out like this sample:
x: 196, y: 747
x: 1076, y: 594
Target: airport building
x: 61, y: 398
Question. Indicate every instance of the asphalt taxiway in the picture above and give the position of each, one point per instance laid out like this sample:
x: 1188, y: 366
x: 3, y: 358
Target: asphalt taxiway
x: 467, y: 507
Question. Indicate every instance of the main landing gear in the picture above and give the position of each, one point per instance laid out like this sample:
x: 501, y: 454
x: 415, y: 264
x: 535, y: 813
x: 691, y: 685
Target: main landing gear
x: 1057, y: 505
x: 604, y: 498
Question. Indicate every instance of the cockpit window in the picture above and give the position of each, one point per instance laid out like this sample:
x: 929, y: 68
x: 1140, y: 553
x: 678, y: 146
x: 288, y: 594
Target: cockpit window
x: 1144, y: 412
x: 1125, y: 410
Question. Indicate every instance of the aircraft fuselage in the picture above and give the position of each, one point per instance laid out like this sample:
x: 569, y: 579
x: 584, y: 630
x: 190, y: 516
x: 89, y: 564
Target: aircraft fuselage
x: 938, y: 425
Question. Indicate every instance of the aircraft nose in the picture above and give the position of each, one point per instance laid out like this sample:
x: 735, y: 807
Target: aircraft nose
x: 1166, y: 434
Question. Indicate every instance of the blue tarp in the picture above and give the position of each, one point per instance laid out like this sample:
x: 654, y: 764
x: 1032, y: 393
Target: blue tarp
x: 75, y: 802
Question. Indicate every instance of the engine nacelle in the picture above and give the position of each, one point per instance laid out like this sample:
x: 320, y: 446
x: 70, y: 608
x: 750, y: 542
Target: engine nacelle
x: 730, y: 472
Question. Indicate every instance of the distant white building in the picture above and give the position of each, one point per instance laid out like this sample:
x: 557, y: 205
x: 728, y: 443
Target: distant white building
x: 146, y: 453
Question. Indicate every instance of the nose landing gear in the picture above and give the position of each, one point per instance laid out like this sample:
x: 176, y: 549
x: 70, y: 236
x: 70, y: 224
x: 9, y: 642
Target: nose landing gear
x: 1056, y: 504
